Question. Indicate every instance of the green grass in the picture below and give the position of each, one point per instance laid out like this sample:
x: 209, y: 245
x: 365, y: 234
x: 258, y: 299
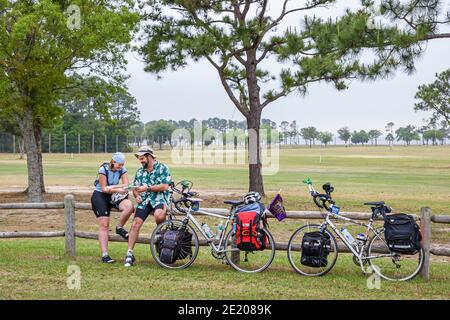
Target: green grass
x: 407, y: 178
x: 37, y: 269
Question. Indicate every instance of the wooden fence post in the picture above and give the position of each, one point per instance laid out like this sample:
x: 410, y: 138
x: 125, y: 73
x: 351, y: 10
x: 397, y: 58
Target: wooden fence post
x: 69, y: 212
x: 425, y: 227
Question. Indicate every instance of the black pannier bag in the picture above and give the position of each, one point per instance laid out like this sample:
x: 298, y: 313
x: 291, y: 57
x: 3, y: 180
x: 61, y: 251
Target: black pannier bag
x: 315, y: 249
x: 174, y: 244
x: 402, y: 233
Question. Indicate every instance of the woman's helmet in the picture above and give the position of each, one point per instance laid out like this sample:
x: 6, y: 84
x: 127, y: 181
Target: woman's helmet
x: 119, y: 157
x: 252, y: 197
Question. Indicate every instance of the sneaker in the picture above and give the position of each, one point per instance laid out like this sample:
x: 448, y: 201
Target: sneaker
x: 122, y: 232
x: 129, y: 260
x: 107, y: 259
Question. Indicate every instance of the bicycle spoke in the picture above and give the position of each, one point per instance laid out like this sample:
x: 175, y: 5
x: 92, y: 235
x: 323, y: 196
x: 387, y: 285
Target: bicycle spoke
x: 251, y: 261
x: 188, y: 251
x: 397, y: 267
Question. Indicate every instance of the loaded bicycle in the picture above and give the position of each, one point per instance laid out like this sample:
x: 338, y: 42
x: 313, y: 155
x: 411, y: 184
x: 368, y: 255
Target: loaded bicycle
x: 392, y: 251
x: 181, y: 242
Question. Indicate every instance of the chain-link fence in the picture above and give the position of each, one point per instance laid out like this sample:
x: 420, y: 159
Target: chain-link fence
x: 82, y: 143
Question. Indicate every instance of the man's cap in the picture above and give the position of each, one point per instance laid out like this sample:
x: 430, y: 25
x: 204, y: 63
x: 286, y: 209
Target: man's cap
x: 143, y: 151
x: 119, y: 157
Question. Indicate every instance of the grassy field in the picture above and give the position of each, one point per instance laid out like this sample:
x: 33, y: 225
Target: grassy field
x: 407, y: 178
x: 36, y: 269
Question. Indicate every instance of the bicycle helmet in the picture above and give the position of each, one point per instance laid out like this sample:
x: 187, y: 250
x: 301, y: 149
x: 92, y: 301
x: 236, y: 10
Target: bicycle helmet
x: 252, y: 197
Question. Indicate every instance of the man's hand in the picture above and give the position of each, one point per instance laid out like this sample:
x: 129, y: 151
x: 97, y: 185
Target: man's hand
x: 142, y: 189
x: 138, y: 199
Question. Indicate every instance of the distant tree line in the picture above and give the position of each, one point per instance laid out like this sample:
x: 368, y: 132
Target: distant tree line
x: 83, y: 129
x: 160, y: 132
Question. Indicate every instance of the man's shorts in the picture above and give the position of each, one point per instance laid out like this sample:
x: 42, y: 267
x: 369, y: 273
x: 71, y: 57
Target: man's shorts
x: 148, y: 210
x: 101, y: 204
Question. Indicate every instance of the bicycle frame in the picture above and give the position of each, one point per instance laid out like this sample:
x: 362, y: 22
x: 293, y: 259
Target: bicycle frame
x: 221, y: 244
x: 355, y: 250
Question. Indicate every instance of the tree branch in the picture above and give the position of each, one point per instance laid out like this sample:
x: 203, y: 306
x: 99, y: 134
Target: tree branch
x: 437, y: 36
x: 274, y: 98
x: 285, y: 12
x: 220, y: 70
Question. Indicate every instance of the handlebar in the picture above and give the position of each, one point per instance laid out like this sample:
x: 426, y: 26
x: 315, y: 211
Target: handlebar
x: 186, y: 196
x: 325, y: 199
x: 378, y: 208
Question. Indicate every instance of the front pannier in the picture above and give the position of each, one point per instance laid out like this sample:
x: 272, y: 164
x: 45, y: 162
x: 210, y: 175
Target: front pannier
x: 315, y: 249
x: 174, y: 244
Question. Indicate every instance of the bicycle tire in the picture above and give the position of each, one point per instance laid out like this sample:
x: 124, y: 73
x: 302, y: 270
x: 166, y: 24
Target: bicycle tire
x: 291, y: 255
x: 237, y: 267
x: 376, y: 268
x: 194, y: 240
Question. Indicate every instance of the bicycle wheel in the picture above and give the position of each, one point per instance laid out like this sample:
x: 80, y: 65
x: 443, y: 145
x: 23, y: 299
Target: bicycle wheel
x: 188, y: 251
x: 249, y: 261
x: 392, y: 266
x: 294, y: 252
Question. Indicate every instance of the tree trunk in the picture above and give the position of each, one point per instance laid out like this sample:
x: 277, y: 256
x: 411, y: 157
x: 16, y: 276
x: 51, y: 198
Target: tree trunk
x: 253, y: 124
x: 32, y: 141
x: 254, y: 154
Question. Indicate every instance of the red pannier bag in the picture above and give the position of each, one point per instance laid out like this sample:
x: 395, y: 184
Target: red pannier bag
x: 249, y: 234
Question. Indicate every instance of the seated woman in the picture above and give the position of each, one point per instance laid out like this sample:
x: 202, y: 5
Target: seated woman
x: 109, y: 194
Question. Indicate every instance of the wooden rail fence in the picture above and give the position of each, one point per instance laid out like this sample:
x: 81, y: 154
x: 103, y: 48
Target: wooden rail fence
x: 70, y: 233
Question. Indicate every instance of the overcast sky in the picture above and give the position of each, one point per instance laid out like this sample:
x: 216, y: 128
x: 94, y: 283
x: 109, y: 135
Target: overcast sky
x: 196, y: 92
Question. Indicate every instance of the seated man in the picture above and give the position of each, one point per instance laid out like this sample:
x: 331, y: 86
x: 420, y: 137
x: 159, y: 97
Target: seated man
x: 152, y: 195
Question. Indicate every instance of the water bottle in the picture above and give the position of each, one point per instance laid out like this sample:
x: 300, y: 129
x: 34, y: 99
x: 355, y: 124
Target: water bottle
x: 348, y: 236
x: 220, y: 228
x: 208, y: 231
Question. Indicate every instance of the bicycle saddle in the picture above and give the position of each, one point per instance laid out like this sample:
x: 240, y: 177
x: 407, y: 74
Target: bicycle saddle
x: 233, y: 202
x: 376, y: 203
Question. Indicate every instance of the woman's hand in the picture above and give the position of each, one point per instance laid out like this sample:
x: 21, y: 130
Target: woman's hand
x: 121, y: 190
